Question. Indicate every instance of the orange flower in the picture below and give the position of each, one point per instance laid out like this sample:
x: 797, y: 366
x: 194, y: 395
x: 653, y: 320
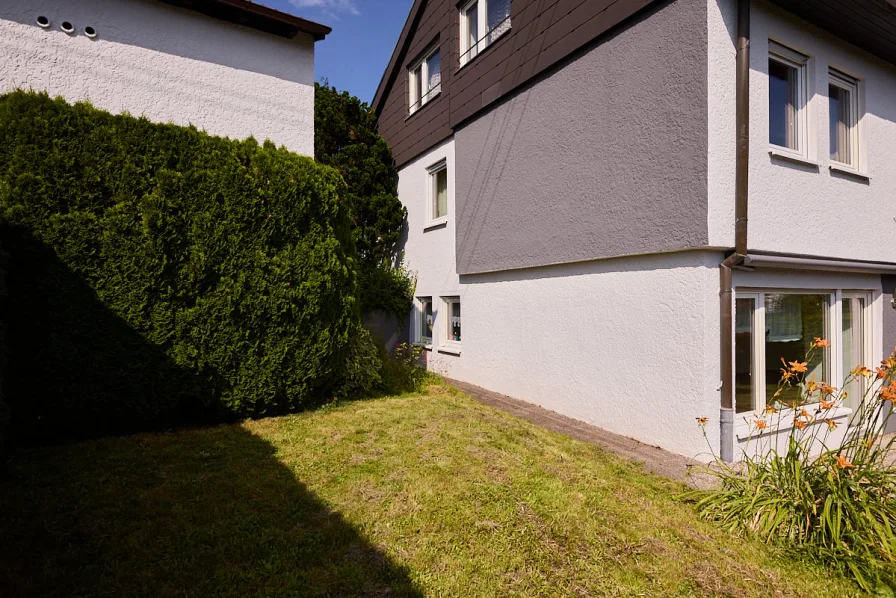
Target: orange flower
x: 804, y: 413
x: 799, y: 423
x: 827, y: 404
x: 702, y: 421
x: 798, y: 366
x: 831, y: 423
x: 820, y: 343
x: 889, y: 393
x: 761, y: 424
x: 826, y: 389
x: 860, y: 370
x: 811, y: 385
x: 843, y: 462
x: 769, y: 409
x: 881, y: 373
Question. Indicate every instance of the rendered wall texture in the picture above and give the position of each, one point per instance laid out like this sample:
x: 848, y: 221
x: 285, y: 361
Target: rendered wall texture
x: 168, y: 64
x: 808, y: 209
x: 606, y: 156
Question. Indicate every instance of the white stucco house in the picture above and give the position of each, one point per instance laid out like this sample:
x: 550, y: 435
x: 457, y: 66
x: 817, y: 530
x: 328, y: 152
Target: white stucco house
x: 626, y: 212
x: 231, y: 68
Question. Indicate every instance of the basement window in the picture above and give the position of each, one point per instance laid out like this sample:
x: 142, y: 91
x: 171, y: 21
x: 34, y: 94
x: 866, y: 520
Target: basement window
x: 787, y: 97
x: 451, y: 325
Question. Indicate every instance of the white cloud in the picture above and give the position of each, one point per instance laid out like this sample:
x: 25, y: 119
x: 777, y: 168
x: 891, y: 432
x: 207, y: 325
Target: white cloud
x: 330, y: 8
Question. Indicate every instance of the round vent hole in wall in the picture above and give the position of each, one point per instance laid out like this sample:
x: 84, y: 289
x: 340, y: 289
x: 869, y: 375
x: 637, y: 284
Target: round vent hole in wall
x: 43, y: 21
x: 89, y: 31
x: 67, y: 27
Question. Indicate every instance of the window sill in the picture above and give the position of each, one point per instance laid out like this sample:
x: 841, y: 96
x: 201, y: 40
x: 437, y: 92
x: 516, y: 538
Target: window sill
x: 451, y: 348
x: 743, y: 430
x: 844, y: 169
x: 436, y: 224
x: 422, y: 106
x: 426, y: 346
x: 792, y: 157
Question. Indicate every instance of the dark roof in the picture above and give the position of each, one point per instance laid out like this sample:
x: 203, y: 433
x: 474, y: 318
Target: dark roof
x: 868, y: 24
x: 256, y: 16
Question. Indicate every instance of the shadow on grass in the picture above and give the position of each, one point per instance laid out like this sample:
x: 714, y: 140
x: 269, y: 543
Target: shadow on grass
x: 208, y: 512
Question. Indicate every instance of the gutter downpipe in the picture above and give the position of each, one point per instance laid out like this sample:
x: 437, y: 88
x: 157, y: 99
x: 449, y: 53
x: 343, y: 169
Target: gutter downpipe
x: 742, y: 111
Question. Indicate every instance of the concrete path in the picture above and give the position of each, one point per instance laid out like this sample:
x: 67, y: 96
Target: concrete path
x: 653, y: 458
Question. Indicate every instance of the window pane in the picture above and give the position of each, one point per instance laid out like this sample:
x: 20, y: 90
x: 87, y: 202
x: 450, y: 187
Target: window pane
x: 743, y: 354
x: 783, y: 98
x: 416, y: 87
x: 440, y: 195
x: 433, y: 67
x: 853, y: 345
x: 472, y: 16
x: 427, y: 320
x: 498, y: 23
x: 455, y: 320
x: 791, y: 324
x: 840, y: 119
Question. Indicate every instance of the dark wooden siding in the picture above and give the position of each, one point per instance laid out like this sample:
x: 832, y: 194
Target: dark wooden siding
x: 543, y: 32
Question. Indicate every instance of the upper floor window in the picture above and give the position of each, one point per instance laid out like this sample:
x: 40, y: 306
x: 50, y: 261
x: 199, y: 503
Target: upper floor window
x: 438, y: 193
x: 787, y: 94
x: 425, y: 79
x: 481, y: 23
x: 843, y: 114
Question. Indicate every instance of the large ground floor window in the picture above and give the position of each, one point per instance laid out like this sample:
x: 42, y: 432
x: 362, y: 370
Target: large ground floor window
x: 775, y: 324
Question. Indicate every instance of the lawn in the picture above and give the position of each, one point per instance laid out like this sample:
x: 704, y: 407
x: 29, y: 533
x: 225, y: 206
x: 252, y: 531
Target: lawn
x: 429, y: 494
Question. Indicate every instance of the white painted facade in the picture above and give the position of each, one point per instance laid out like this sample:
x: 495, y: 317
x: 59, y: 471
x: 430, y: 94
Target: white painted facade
x: 631, y: 344
x: 168, y: 64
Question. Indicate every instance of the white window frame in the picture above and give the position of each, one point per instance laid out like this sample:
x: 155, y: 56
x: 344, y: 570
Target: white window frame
x: 448, y: 344
x: 468, y: 50
x: 420, y: 327
x: 851, y: 85
x: 421, y: 66
x: 800, y: 62
x: 834, y: 327
x: 432, y: 192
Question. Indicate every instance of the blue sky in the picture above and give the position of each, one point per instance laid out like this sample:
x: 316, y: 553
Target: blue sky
x: 364, y: 33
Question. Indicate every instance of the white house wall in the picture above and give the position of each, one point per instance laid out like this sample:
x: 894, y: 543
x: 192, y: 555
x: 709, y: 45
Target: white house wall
x: 795, y: 207
x: 165, y: 63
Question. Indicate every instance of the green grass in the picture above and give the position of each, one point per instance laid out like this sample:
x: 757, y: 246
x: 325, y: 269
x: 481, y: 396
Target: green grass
x: 430, y: 494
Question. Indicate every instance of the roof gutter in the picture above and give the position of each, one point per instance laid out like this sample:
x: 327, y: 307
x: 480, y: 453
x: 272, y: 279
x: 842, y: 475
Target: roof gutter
x: 739, y: 257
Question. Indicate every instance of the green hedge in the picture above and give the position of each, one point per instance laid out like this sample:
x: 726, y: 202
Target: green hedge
x: 159, y: 275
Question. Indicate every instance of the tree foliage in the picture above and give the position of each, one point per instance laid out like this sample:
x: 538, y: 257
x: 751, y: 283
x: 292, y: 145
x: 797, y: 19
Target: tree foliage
x: 157, y: 274
x: 347, y: 139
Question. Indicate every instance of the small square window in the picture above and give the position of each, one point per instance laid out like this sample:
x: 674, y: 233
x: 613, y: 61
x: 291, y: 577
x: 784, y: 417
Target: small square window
x: 481, y: 23
x: 437, y: 196
x: 843, y: 116
x: 787, y: 127
x: 425, y: 322
x: 424, y: 79
x: 452, y: 324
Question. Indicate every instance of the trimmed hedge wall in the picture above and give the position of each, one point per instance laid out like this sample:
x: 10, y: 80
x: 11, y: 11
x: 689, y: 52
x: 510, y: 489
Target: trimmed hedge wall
x: 159, y: 275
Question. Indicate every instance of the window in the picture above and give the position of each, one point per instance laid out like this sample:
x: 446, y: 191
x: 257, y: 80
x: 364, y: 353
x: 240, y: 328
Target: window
x: 481, y: 23
x: 437, y: 198
x: 843, y: 115
x: 770, y: 325
x: 452, y: 321
x: 774, y: 325
x: 424, y: 324
x: 787, y: 93
x: 425, y: 80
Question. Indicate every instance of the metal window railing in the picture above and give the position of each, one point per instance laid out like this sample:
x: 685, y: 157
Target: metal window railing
x: 483, y: 42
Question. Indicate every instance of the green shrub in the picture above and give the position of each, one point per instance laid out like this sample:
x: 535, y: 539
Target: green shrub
x: 402, y: 371
x: 362, y: 372
x: 834, y: 504
x: 159, y: 275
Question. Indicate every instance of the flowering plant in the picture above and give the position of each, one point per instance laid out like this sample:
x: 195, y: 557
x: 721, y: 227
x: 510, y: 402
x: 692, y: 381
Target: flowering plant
x: 811, y: 485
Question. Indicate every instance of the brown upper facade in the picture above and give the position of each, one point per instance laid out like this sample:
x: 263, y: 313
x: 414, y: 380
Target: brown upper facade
x: 535, y: 36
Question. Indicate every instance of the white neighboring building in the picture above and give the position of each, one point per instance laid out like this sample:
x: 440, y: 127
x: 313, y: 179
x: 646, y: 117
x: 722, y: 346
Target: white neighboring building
x: 231, y: 69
